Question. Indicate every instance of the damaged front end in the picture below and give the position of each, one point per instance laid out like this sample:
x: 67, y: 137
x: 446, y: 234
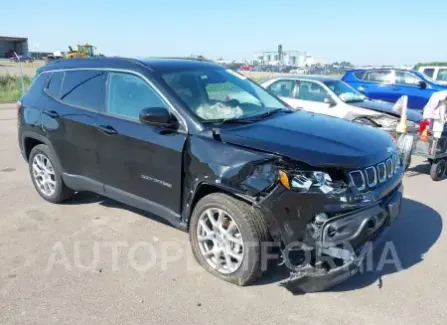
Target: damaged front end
x: 325, y: 217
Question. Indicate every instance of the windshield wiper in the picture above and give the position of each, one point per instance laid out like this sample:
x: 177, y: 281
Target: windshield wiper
x: 228, y: 120
x: 355, y: 100
x: 249, y: 119
x: 267, y: 114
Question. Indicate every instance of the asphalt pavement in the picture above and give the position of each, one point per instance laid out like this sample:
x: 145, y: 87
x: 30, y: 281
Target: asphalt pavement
x: 94, y: 261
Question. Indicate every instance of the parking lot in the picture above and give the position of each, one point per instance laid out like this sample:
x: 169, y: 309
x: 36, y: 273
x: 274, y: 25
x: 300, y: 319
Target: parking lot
x: 94, y: 261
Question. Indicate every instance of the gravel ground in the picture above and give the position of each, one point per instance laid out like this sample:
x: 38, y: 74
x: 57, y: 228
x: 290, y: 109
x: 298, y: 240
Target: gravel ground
x: 58, y: 266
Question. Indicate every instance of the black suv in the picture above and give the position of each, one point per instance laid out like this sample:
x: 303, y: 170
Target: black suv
x: 215, y: 154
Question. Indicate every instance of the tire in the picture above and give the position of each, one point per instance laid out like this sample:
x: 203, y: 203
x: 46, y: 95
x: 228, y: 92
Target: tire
x: 60, y: 192
x: 437, y: 169
x: 253, y: 231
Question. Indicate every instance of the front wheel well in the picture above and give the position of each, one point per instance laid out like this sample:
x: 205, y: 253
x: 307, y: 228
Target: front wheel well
x: 207, y: 189
x: 28, y: 145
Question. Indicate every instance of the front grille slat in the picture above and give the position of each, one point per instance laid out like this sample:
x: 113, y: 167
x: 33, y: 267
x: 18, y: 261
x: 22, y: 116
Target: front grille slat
x: 377, y: 174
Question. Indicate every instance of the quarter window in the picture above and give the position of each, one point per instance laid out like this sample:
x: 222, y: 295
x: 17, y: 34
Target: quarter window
x: 283, y: 88
x: 40, y: 82
x: 128, y: 95
x: 84, y: 89
x: 54, y: 87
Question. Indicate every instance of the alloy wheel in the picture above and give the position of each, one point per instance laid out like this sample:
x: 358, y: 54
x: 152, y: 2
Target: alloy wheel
x: 220, y: 240
x: 43, y: 174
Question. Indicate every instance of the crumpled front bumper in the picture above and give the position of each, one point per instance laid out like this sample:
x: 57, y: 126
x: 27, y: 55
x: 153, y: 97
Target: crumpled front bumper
x: 316, y: 277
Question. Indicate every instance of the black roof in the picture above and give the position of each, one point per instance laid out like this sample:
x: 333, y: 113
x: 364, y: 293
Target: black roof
x: 161, y: 65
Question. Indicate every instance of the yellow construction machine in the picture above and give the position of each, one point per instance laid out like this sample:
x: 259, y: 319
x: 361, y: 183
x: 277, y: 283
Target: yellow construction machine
x: 83, y: 51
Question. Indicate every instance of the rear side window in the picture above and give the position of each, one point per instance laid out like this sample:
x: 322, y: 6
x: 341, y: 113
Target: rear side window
x: 429, y: 72
x: 39, y: 83
x: 54, y: 87
x: 84, y: 89
x: 283, y: 88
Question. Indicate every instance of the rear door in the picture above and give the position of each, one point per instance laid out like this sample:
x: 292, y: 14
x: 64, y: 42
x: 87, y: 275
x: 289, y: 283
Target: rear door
x: 70, y: 117
x: 139, y: 163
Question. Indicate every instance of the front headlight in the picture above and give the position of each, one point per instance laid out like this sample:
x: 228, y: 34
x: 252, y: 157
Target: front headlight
x: 311, y: 181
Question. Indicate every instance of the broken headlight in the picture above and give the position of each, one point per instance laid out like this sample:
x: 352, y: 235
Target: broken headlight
x: 311, y: 181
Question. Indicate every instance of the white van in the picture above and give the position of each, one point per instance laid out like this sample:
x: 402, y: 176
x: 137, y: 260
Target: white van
x: 437, y: 73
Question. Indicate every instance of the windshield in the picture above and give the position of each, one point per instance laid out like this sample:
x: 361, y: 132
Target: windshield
x: 345, y: 92
x: 221, y: 94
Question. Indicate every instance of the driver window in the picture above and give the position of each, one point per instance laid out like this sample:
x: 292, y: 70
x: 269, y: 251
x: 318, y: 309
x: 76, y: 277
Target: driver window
x: 312, y: 91
x: 406, y: 78
x: 283, y: 88
x: 128, y: 94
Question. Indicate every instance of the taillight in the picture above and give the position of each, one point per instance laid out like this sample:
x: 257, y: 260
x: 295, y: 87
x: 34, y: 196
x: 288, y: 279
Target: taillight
x: 19, y: 107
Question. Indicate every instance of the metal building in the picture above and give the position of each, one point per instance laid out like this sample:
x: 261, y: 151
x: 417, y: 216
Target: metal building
x: 293, y: 58
x: 8, y: 45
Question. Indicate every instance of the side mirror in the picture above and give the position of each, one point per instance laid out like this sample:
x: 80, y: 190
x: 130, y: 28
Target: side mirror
x: 422, y: 84
x: 330, y: 101
x: 158, y: 116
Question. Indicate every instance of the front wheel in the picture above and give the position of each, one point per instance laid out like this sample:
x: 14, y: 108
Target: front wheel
x: 226, y: 236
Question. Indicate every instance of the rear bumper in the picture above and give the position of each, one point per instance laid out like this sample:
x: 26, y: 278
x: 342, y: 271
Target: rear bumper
x: 349, y: 254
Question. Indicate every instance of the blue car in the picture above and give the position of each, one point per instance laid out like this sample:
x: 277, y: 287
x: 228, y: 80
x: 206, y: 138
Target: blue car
x: 390, y: 84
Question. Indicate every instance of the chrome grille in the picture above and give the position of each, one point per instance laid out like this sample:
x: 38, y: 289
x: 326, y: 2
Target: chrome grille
x: 381, y: 170
x: 371, y: 176
x: 377, y: 174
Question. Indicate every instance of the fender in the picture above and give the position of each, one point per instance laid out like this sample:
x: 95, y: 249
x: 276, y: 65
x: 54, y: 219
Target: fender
x: 41, y: 138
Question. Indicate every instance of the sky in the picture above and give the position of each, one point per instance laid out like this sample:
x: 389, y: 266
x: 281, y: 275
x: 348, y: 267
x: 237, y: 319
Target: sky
x: 362, y: 32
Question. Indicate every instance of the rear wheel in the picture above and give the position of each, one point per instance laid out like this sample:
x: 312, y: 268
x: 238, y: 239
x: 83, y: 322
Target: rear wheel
x: 47, y: 176
x: 226, y: 236
x: 437, y: 169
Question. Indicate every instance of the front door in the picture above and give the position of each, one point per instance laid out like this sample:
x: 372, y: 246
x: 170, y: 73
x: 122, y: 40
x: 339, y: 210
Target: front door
x: 313, y: 97
x: 138, y: 161
x: 408, y: 84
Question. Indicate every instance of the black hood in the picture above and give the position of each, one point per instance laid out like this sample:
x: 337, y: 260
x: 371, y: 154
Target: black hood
x: 384, y: 107
x: 315, y: 139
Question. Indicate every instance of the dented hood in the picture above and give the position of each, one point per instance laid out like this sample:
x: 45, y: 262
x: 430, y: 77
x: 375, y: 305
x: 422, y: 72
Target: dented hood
x: 388, y: 108
x: 315, y: 139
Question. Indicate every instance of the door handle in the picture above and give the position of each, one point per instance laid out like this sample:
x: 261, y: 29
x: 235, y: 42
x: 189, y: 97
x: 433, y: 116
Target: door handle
x: 362, y: 87
x: 396, y: 88
x: 52, y: 114
x: 107, y: 129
